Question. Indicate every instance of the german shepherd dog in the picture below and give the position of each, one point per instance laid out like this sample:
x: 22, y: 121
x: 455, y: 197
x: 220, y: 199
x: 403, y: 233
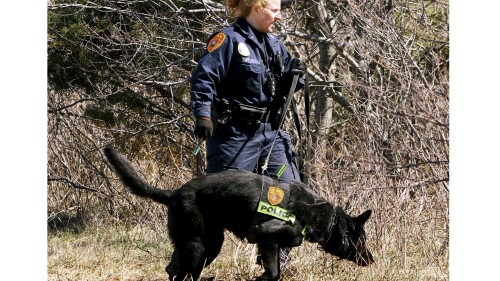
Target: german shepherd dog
x: 200, y: 210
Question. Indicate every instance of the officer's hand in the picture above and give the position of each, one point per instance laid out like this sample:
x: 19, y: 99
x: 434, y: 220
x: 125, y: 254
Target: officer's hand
x: 298, y: 67
x: 203, y: 128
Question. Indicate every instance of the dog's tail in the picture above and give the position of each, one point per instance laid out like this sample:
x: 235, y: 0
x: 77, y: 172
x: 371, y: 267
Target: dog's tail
x: 131, y: 178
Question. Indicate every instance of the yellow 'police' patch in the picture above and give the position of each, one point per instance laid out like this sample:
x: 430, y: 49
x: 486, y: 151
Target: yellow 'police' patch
x: 216, y: 41
x: 276, y: 212
x: 275, y: 195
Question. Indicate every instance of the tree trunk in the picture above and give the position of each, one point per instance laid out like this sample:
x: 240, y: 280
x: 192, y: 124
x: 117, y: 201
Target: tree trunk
x: 324, y: 100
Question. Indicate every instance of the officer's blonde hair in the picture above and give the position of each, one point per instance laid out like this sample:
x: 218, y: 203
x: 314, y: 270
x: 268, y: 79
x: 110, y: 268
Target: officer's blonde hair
x: 242, y: 8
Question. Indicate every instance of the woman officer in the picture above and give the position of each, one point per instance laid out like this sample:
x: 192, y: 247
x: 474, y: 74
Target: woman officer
x: 236, y: 74
x: 238, y: 90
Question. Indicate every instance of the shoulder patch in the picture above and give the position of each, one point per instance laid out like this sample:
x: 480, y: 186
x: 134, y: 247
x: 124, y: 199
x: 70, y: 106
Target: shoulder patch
x: 216, y: 41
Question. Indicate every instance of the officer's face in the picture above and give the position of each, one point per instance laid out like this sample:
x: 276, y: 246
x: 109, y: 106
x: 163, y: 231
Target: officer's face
x: 267, y: 16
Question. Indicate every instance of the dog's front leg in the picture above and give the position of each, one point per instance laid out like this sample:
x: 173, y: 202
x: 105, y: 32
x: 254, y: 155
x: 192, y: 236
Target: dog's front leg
x: 287, y: 235
x: 173, y: 268
x: 269, y: 253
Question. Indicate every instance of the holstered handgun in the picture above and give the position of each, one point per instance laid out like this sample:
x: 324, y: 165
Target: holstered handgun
x: 250, y: 117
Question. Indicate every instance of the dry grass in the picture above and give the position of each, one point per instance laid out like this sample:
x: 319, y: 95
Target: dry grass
x: 407, y: 234
x: 117, y: 252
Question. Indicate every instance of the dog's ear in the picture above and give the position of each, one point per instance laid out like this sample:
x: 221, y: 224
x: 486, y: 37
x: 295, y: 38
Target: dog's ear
x: 361, y: 219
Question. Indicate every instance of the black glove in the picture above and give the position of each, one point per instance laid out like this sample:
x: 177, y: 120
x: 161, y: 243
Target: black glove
x: 297, y: 67
x: 203, y: 128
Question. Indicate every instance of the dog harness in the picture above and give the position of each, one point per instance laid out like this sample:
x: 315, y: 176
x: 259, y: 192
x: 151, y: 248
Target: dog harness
x: 274, y: 201
x: 273, y: 204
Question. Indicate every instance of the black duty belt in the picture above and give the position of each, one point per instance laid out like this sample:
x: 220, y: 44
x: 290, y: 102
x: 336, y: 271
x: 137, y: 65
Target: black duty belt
x: 241, y: 115
x: 247, y: 113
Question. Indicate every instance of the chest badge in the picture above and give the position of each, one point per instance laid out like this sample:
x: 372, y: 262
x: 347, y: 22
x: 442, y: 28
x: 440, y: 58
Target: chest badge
x: 243, y: 49
x: 275, y: 195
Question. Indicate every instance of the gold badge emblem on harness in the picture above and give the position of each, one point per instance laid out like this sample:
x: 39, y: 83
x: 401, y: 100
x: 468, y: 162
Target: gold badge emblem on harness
x: 275, y: 195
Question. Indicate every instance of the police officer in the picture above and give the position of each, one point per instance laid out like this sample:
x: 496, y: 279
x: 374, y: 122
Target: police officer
x: 238, y: 91
x: 242, y: 80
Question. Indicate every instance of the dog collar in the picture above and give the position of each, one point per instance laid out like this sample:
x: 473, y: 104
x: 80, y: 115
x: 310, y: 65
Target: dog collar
x: 334, y: 222
x: 341, y: 250
x: 304, y: 231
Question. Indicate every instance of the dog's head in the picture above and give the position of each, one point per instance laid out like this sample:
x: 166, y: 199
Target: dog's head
x: 346, y: 237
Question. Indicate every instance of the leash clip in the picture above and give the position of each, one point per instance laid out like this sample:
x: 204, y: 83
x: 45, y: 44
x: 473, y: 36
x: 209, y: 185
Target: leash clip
x: 197, y: 148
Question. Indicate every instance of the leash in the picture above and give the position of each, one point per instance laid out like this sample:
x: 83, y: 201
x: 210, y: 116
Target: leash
x: 282, y: 118
x: 305, y: 154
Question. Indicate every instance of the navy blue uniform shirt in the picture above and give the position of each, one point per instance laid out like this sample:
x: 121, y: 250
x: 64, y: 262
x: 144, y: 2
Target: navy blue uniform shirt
x: 234, y: 67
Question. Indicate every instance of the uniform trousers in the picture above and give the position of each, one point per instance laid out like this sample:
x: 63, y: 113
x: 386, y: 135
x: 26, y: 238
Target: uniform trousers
x: 245, y: 147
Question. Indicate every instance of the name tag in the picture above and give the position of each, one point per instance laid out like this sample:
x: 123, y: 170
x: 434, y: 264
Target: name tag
x: 275, y: 211
x: 250, y: 60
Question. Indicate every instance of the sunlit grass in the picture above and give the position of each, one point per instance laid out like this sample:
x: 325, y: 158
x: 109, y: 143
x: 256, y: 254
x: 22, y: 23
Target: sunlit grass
x: 117, y: 252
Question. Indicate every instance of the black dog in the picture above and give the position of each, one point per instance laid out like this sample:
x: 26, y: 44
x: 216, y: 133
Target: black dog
x: 201, y: 209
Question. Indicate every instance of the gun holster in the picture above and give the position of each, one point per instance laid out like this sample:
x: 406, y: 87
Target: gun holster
x: 246, y: 116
